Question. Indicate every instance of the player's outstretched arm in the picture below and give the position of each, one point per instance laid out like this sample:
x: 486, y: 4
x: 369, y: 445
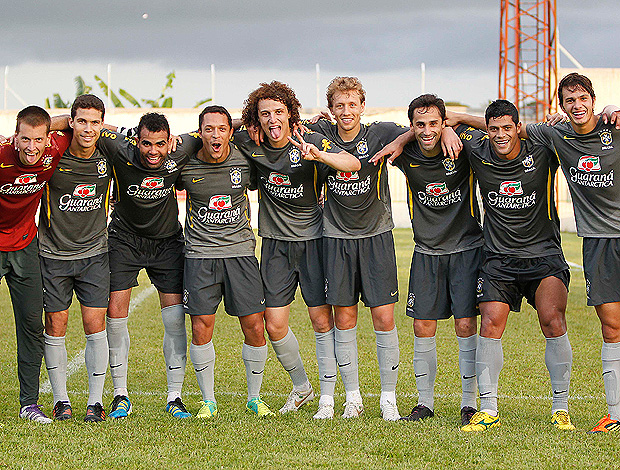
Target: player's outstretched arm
x: 394, y: 148
x: 454, y: 119
x: 60, y: 123
x: 342, y: 161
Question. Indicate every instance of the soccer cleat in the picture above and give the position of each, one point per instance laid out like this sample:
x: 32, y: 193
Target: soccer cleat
x: 389, y: 411
x: 296, y: 399
x: 561, y: 420
x: 120, y: 407
x: 34, y: 413
x: 606, y: 424
x: 62, y: 410
x: 481, y: 421
x: 466, y: 413
x: 419, y: 412
x: 325, y: 411
x: 94, y: 413
x: 177, y: 409
x: 207, y: 410
x: 353, y: 409
x: 259, y: 408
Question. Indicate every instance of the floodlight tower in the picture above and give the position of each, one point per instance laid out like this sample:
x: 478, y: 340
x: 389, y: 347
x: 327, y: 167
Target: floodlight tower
x: 528, y: 61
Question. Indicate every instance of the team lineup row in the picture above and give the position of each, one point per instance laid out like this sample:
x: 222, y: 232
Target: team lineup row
x: 325, y: 222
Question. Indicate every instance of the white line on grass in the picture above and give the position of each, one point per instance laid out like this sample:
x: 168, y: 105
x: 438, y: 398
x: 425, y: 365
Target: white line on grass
x: 77, y: 361
x: 575, y: 265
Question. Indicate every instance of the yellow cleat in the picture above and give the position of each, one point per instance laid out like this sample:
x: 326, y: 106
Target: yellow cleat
x: 561, y: 420
x: 481, y: 421
x: 259, y: 408
x: 606, y: 424
x: 207, y: 410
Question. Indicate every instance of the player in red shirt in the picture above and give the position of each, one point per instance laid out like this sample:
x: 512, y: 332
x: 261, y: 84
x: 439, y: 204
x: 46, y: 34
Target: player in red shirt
x: 26, y: 164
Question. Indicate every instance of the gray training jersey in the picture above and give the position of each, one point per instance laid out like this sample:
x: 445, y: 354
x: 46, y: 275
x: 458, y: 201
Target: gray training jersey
x: 288, y: 186
x: 442, y: 195
x: 217, y: 222
x: 589, y: 162
x: 357, y: 203
x: 146, y: 202
x: 518, y: 195
x: 74, y: 208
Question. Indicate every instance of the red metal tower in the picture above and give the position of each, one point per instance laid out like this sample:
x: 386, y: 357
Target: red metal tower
x: 528, y: 56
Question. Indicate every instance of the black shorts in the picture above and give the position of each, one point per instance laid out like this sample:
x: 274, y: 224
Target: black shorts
x: 284, y: 264
x: 89, y: 277
x: 365, y: 266
x: 237, y: 279
x: 443, y: 285
x: 162, y: 258
x: 601, y: 268
x: 508, y: 279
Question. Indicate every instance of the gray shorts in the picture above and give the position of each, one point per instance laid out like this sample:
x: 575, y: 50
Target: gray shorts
x: 88, y: 277
x: 236, y: 279
x: 601, y: 268
x: 508, y: 279
x: 284, y: 264
x: 443, y: 285
x: 360, y: 266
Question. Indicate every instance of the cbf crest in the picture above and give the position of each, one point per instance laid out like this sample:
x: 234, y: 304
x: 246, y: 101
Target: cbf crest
x: 411, y: 300
x: 47, y: 160
x: 170, y: 165
x: 235, y: 177
x: 102, y: 168
x: 479, y: 287
x: 528, y: 163
x: 294, y: 156
x: 362, y: 148
x: 449, y: 165
x: 606, y: 139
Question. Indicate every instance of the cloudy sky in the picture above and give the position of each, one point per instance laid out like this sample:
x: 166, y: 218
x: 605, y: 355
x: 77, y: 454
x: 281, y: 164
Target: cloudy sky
x: 46, y: 44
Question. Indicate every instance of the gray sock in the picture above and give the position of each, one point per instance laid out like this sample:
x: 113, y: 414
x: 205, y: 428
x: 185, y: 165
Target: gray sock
x: 388, y: 356
x: 96, y: 360
x: 287, y: 352
x: 346, y: 355
x: 254, y: 358
x: 559, y: 360
x: 175, y: 348
x: 326, y: 359
x: 467, y: 368
x: 118, y: 342
x: 425, y: 369
x: 56, y: 365
x: 489, y: 363
x: 203, y: 359
x: 610, y: 355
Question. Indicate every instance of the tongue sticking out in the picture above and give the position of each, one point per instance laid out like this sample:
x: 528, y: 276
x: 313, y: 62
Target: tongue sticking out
x: 275, y: 133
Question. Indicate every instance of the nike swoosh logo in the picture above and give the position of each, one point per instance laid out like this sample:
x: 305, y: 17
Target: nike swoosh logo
x: 485, y: 394
x: 65, y: 169
x: 95, y: 374
x: 258, y: 373
x: 257, y: 154
x: 262, y: 302
x: 115, y: 366
x: 565, y: 137
x: 52, y: 368
x: 196, y: 180
x: 288, y: 370
x: 486, y: 163
x: 393, y: 293
x: 344, y: 365
x: 2, y: 165
x: 329, y: 376
x: 558, y: 392
x: 129, y: 164
x: 200, y: 370
x: 298, y: 403
x: 608, y: 372
x: 469, y: 376
x: 413, y: 166
x: 395, y: 367
x: 420, y: 375
x: 173, y: 368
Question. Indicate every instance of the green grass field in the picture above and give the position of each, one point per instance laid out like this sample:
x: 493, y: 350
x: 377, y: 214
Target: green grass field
x: 150, y: 438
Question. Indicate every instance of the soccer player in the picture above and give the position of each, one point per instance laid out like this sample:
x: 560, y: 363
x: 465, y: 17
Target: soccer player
x: 73, y: 250
x: 446, y: 258
x: 290, y: 171
x: 586, y: 148
x: 357, y: 231
x: 145, y: 233
x: 25, y: 167
x: 219, y: 257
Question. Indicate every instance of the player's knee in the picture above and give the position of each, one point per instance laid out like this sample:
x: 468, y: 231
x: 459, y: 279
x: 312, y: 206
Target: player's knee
x: 611, y: 333
x: 55, y: 323
x: 276, y: 330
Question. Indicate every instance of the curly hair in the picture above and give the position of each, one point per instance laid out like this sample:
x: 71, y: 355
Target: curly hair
x: 276, y: 91
x: 344, y: 85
